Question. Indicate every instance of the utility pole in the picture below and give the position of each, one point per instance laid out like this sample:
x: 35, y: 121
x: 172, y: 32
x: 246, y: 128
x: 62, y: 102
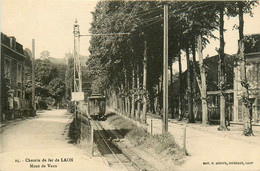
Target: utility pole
x: 77, y: 64
x: 33, y: 78
x: 1, y: 79
x: 165, y: 71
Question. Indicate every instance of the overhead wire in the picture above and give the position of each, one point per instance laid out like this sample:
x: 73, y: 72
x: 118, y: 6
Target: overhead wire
x: 182, y: 10
x: 156, y: 11
x: 129, y: 16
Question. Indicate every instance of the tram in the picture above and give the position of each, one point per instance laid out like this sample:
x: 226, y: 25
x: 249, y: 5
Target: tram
x: 97, y: 106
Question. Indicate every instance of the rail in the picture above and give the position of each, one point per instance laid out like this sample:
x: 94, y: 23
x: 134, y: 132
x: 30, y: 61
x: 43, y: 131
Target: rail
x: 105, y: 141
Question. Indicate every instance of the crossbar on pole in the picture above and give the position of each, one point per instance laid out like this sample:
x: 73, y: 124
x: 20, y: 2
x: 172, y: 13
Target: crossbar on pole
x: 108, y: 34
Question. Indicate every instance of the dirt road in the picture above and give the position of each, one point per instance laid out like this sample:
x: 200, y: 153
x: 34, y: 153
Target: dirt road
x: 214, y: 150
x: 41, y: 144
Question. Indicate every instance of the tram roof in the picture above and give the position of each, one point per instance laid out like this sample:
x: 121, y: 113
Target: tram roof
x: 96, y: 96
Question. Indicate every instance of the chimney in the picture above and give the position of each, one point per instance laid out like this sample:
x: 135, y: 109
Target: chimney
x: 12, y: 42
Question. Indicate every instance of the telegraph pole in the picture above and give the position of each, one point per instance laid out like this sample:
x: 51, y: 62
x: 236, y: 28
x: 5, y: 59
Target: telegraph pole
x: 33, y: 78
x: 77, y: 62
x: 165, y: 71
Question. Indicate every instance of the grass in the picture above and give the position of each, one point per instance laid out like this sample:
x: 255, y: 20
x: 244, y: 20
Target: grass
x: 162, y: 145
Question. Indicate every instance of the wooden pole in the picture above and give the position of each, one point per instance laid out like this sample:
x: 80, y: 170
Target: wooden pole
x: 33, y: 78
x: 165, y: 71
x: 151, y: 127
x: 184, y: 141
x: 2, y: 117
x: 92, y: 138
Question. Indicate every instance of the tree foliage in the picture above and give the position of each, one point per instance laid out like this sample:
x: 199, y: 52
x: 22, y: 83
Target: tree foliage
x: 45, y: 54
x: 48, y: 74
x: 114, y: 59
x: 57, y: 89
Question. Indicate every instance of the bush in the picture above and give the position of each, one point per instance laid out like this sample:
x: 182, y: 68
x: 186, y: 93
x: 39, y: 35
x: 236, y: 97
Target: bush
x: 140, y: 137
x: 42, y: 105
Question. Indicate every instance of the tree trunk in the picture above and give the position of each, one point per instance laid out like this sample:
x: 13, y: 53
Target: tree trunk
x: 203, y: 89
x: 171, y: 86
x: 129, y: 102
x: 143, y: 118
x: 194, y: 91
x: 246, y: 102
x: 58, y: 104
x: 125, y: 90
x: 189, y: 89
x: 221, y: 82
x: 133, y: 95
x: 122, y: 98
x: 180, y: 89
x: 138, y: 97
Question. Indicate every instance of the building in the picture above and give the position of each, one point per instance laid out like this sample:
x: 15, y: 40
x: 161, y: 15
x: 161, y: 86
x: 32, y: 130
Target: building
x: 233, y: 84
x: 252, y: 54
x: 13, y: 102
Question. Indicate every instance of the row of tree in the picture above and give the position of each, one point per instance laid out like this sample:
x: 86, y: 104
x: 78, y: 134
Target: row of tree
x: 128, y: 68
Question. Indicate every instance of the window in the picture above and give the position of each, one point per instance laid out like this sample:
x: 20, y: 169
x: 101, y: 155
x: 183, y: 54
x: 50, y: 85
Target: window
x: 258, y: 109
x: 19, y: 74
x: 19, y: 94
x: 7, y: 68
x: 7, y: 71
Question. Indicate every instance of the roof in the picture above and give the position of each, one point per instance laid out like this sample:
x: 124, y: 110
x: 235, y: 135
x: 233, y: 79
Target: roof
x: 96, y: 96
x: 253, y: 57
x: 11, y: 48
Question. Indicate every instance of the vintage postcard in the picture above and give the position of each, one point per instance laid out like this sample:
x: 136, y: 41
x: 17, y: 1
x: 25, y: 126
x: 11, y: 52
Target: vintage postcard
x: 129, y: 85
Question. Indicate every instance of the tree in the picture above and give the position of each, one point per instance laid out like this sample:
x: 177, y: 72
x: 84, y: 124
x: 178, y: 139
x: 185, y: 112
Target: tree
x: 69, y: 76
x: 28, y: 73
x: 181, y: 112
x: 234, y: 9
x: 189, y: 88
x: 45, y: 54
x: 45, y: 73
x: 202, y: 84
x: 143, y: 118
x: 57, y: 90
x: 221, y: 72
x: 115, y: 58
x: 246, y: 102
x: 197, y: 19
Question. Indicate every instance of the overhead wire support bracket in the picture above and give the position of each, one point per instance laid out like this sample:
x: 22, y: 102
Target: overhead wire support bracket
x: 106, y: 34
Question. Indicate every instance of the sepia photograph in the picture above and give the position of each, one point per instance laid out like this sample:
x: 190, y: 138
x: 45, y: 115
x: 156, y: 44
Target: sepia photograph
x: 138, y: 85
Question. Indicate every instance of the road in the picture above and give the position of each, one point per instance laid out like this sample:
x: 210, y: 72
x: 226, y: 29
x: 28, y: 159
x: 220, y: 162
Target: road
x: 41, y: 144
x: 217, y: 150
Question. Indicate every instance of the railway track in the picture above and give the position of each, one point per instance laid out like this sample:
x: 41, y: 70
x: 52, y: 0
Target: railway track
x: 112, y: 153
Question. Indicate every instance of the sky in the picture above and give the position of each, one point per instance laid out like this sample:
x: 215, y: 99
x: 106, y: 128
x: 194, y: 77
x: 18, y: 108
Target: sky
x: 50, y: 23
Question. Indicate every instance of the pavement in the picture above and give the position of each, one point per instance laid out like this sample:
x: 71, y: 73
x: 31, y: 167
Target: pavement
x: 210, y: 149
x: 41, y: 143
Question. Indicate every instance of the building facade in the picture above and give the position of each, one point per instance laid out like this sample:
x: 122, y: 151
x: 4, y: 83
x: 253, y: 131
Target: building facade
x: 253, y: 77
x: 13, y: 102
x: 252, y: 55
